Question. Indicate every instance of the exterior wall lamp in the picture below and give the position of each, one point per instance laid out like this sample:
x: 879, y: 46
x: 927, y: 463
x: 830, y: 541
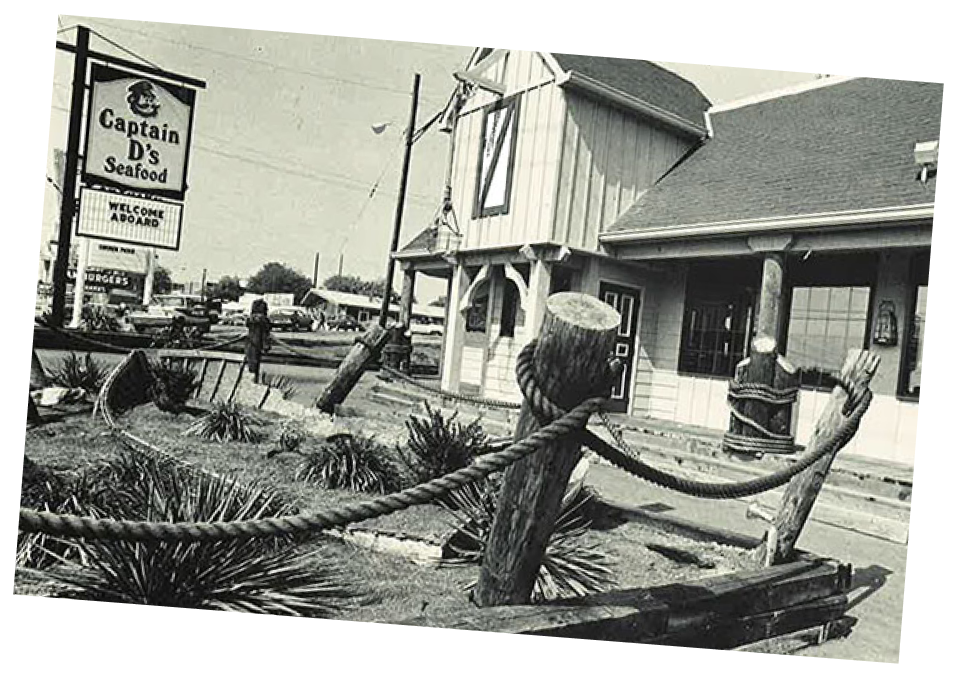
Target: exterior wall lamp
x: 885, y: 326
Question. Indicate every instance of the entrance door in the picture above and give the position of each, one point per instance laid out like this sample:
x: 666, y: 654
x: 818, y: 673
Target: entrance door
x: 626, y: 302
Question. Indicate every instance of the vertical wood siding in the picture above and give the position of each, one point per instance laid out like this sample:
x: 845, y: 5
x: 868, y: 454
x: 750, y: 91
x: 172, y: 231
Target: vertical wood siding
x: 609, y: 157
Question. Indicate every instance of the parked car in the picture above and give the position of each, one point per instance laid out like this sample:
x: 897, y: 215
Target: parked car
x: 235, y: 319
x: 344, y: 323
x: 289, y: 319
x: 424, y: 329
x: 159, y: 314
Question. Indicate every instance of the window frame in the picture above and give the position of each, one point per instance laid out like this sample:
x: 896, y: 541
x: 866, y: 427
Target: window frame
x: 478, y: 210
x: 918, y: 277
x: 828, y: 284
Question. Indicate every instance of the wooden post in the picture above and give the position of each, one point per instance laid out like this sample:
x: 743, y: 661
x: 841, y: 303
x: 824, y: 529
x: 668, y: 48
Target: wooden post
x: 571, y: 365
x: 764, y: 366
x: 350, y: 370
x: 68, y: 194
x: 408, y: 293
x: 770, y: 305
x: 803, y: 489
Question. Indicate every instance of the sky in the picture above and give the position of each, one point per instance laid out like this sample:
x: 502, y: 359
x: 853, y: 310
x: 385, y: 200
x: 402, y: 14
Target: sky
x: 284, y: 158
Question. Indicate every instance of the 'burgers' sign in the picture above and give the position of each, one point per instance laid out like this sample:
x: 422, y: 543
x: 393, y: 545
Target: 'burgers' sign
x: 138, y: 133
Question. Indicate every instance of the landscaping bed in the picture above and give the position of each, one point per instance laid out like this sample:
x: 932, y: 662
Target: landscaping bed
x: 389, y: 587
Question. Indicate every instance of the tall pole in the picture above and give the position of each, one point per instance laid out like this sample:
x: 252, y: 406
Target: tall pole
x: 148, y: 281
x: 400, y: 204
x: 315, y: 271
x: 79, y: 284
x: 202, y: 287
x: 68, y: 201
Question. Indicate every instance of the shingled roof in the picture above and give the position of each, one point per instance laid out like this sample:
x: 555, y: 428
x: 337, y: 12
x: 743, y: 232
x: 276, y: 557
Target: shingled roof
x: 841, y: 147
x: 643, y: 80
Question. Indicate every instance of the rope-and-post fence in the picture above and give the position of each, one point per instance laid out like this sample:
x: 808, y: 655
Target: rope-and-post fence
x: 572, y: 364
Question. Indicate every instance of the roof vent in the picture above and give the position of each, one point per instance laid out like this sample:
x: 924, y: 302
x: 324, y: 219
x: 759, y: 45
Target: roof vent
x: 925, y: 156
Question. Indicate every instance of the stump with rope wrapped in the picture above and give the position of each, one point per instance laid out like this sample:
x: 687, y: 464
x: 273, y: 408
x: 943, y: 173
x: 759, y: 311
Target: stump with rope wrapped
x: 761, y: 399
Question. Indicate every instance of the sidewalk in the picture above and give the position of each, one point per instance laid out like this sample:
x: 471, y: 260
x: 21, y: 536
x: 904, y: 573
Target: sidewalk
x: 878, y: 591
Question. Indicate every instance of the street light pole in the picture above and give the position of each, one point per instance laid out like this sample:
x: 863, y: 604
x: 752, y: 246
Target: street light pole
x: 400, y: 204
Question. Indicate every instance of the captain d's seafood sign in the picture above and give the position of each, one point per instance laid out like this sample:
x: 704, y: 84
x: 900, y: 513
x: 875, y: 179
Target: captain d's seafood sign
x: 138, y: 133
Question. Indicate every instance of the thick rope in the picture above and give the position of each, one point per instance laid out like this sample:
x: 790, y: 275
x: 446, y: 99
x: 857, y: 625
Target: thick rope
x: 32, y: 521
x: 125, y: 350
x: 546, y: 410
x: 454, y: 396
x: 767, y: 441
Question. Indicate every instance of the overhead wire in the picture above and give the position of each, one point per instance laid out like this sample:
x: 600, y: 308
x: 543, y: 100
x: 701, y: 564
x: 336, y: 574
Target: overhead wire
x: 263, y: 63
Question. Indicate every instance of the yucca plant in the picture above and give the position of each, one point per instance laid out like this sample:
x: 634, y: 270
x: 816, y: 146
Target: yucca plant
x: 569, y: 568
x: 353, y: 462
x: 172, y: 385
x: 84, y: 373
x: 227, y: 421
x: 98, y: 318
x: 281, y: 383
x: 439, y: 445
x: 272, y: 576
x: 291, y: 437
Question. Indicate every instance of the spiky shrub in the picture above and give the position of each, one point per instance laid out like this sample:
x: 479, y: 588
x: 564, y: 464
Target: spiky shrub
x: 271, y: 576
x: 227, y: 421
x: 353, y: 462
x: 569, y: 568
x: 75, y: 372
x: 438, y: 445
x: 290, y: 439
x: 98, y: 318
x: 173, y: 383
x: 281, y: 383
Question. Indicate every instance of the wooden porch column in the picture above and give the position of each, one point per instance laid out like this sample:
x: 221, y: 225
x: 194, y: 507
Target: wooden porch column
x: 571, y: 365
x: 454, y: 328
x: 770, y: 319
x: 408, y: 293
x: 539, y: 286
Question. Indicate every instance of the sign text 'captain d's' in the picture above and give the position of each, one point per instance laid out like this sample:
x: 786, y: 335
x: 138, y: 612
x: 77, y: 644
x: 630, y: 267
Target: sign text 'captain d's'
x: 138, y: 133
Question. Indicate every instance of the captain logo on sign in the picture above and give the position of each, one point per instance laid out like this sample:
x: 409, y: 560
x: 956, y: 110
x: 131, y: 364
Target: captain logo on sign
x: 142, y: 100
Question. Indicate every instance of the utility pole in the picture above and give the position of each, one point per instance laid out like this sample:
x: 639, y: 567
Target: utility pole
x: 315, y: 271
x: 68, y: 201
x: 400, y: 204
x: 202, y: 287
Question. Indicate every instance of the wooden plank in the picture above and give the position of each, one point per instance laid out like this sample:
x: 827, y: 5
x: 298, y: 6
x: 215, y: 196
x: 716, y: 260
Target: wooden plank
x: 730, y: 633
x: 219, y: 378
x: 680, y: 611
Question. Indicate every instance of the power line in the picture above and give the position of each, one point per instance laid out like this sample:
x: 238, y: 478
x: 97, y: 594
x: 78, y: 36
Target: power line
x: 344, y: 181
x: 266, y: 64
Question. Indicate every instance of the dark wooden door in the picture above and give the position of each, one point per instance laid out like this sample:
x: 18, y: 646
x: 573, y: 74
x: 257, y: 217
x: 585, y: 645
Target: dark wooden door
x: 626, y: 302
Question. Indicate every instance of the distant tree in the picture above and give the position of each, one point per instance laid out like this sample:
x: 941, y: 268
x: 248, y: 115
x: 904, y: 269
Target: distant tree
x: 279, y: 278
x: 441, y: 301
x: 162, y: 281
x: 227, y: 288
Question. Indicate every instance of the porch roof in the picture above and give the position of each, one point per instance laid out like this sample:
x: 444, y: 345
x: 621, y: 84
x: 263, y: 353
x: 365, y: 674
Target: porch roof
x: 835, y: 148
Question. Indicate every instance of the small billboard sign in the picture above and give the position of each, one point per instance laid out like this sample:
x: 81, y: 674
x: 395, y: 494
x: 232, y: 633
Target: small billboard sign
x: 138, y: 133
x: 131, y: 220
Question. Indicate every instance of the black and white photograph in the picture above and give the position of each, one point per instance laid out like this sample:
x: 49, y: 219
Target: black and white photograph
x: 361, y: 329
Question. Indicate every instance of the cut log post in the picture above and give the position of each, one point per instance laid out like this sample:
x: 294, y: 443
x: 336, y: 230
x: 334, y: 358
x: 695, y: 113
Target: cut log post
x: 804, y: 488
x: 363, y: 353
x: 764, y: 367
x: 572, y: 363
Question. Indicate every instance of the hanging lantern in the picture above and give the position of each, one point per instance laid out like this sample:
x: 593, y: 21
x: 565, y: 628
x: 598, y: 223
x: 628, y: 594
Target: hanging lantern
x: 885, y: 328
